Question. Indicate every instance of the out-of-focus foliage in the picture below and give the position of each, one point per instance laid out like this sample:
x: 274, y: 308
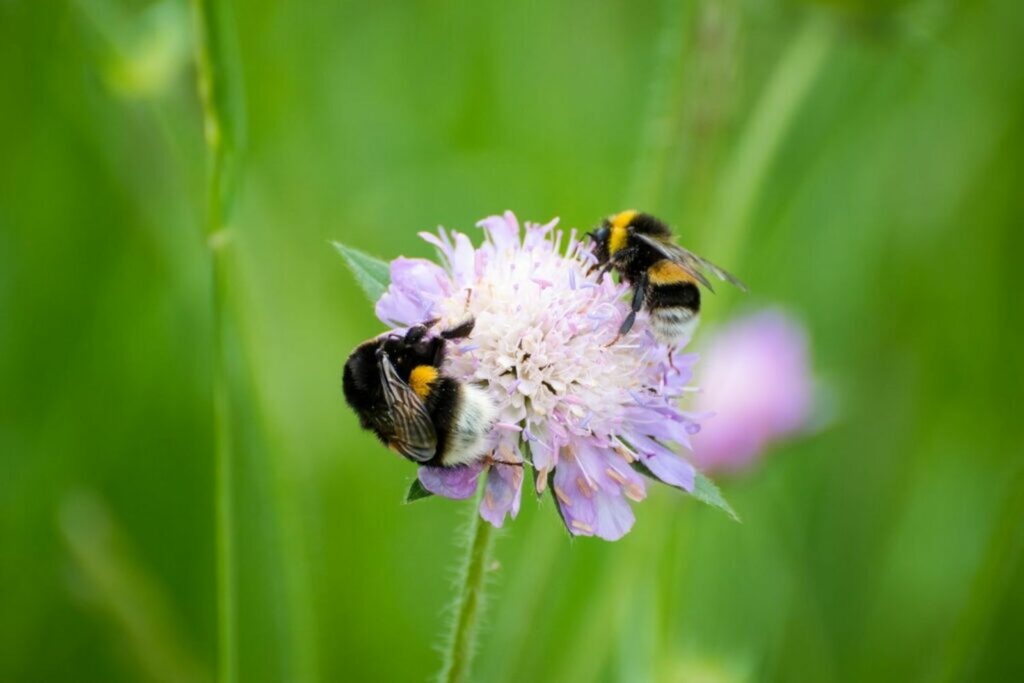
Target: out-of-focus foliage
x: 857, y: 161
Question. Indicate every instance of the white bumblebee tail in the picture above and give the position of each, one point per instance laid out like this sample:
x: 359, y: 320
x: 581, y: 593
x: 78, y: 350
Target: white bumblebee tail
x: 475, y: 416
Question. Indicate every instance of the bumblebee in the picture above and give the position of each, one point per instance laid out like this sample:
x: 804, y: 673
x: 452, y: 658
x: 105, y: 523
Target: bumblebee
x: 663, y: 274
x: 394, y: 384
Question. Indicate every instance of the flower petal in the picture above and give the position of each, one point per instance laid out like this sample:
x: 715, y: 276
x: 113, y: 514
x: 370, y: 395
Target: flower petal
x: 759, y: 384
x: 451, y: 482
x: 502, y: 493
x: 575, y: 500
x: 463, y: 261
x: 503, y: 230
x: 416, y: 285
x: 671, y: 469
x: 614, y: 517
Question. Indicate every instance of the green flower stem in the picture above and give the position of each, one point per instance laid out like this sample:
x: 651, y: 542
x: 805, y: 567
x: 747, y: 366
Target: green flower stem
x: 469, y: 602
x: 220, y: 89
x: 212, y: 71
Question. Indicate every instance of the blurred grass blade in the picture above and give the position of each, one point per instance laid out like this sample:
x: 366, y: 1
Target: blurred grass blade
x: 220, y: 90
x: 664, y: 104
x: 219, y: 84
x: 763, y: 134
x: 113, y: 580
x: 991, y: 582
x: 372, y: 274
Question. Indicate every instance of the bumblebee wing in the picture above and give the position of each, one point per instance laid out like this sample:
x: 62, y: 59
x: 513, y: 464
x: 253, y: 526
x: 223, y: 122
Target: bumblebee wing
x: 693, y: 264
x: 413, y: 431
x: 678, y: 255
x: 720, y: 273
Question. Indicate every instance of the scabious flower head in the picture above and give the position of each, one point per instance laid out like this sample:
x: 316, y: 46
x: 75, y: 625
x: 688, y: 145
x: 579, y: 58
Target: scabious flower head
x: 757, y: 382
x: 580, y: 411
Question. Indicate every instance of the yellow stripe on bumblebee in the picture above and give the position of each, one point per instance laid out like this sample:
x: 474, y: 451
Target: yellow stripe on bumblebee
x: 620, y: 230
x: 666, y: 272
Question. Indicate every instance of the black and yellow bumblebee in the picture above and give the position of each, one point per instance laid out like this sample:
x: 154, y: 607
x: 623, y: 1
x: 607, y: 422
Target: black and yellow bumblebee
x: 394, y: 384
x: 663, y: 274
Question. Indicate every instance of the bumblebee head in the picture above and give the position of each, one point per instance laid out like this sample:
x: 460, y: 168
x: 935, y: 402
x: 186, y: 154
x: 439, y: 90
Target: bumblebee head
x: 600, y: 238
x: 394, y: 348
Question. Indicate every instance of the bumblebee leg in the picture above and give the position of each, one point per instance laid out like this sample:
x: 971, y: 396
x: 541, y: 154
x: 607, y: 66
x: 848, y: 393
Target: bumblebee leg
x: 617, y: 259
x: 623, y: 255
x: 435, y: 352
x: 415, y: 334
x: 460, y: 331
x: 639, y: 292
x: 495, y: 461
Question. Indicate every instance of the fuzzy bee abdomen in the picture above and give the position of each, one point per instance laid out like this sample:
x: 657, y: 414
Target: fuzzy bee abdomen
x: 673, y: 301
x: 463, y: 416
x: 468, y: 424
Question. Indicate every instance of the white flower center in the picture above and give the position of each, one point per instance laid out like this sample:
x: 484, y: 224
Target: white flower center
x: 540, y: 340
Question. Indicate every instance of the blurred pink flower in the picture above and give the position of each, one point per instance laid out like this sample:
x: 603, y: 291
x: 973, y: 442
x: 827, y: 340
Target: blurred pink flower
x: 757, y: 383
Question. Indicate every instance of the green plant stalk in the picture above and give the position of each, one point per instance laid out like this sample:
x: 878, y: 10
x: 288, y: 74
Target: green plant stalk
x: 773, y: 114
x: 665, y: 110
x: 220, y: 90
x: 468, y: 602
x: 994, y: 575
x: 224, y: 496
x: 786, y: 90
x: 122, y: 588
x: 529, y: 579
x: 210, y: 72
x: 788, y: 86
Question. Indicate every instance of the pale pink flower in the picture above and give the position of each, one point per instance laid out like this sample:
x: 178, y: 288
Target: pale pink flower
x: 584, y: 415
x: 757, y: 385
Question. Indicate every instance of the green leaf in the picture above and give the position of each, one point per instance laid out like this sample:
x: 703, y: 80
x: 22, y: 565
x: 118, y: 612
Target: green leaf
x: 416, y: 492
x: 704, y: 490
x: 372, y: 274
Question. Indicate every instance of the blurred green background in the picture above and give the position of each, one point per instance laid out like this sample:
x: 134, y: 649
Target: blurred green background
x: 857, y: 161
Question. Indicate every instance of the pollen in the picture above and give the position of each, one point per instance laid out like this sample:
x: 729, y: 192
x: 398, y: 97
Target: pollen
x: 582, y: 526
x: 633, y: 491
x: 615, y: 475
x: 421, y: 378
x: 542, y: 480
x: 583, y: 487
x: 626, y: 455
x: 562, y: 497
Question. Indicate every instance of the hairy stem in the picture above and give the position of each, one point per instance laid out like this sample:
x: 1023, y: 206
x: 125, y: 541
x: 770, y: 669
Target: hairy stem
x: 468, y: 602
